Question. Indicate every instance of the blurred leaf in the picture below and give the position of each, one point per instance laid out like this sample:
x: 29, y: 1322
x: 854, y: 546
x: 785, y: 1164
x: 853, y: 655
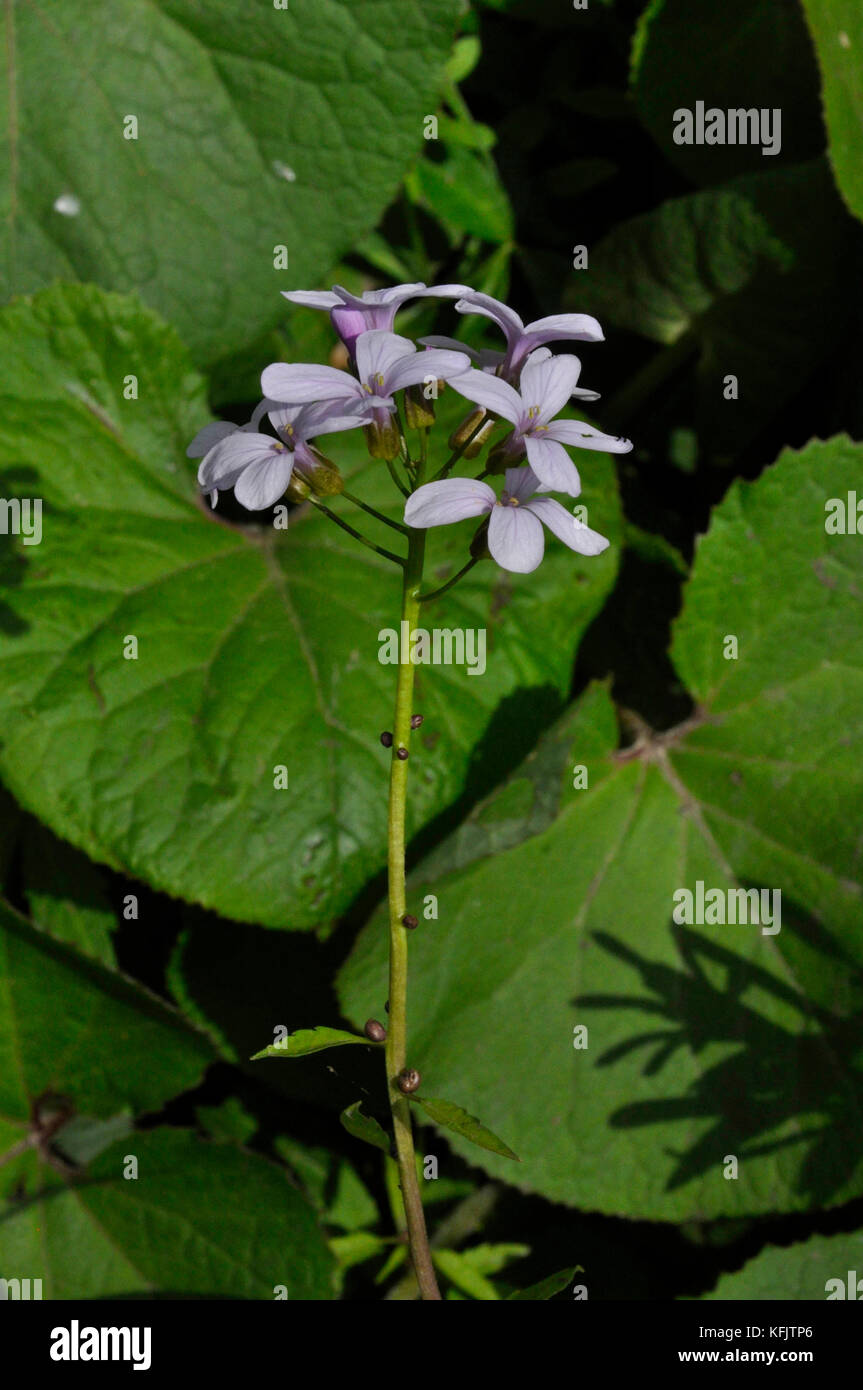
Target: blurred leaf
x: 243, y: 1228
x: 352, y: 1205
x: 357, y: 1247
x: 66, y: 893
x: 365, y: 1127
x: 229, y: 1122
x: 704, y: 1041
x: 750, y: 55
x: 837, y: 32
x: 759, y: 292
x: 307, y: 1040
x: 460, y: 1271
x: 546, y: 1288
x: 249, y: 138
x: 70, y: 1028
x: 465, y: 55
x: 164, y: 766
x: 799, y: 1272
x: 452, y: 1117
x: 464, y: 191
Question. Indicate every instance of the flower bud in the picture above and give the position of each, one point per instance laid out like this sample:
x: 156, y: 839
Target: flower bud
x: 419, y: 412
x: 298, y: 489
x: 383, y: 440
x: 503, y: 456
x: 459, y: 437
x: 321, y: 475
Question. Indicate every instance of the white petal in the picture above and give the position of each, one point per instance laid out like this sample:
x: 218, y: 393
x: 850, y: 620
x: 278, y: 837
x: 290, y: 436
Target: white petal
x: 434, y: 362
x: 448, y: 500
x: 313, y: 299
x: 548, y: 384
x: 521, y: 483
x: 491, y: 392
x: 495, y: 309
x: 226, y: 461
x: 515, y: 539
x: 578, y: 434
x: 263, y: 483
x: 572, y: 326
x: 552, y: 465
x: 438, y: 340
x: 208, y: 437
x: 377, y: 350
x: 566, y: 527
x: 301, y: 383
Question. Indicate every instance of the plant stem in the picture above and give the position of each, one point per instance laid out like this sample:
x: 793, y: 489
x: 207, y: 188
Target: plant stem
x: 364, y: 540
x: 424, y: 598
x: 379, y: 516
x: 396, y: 1046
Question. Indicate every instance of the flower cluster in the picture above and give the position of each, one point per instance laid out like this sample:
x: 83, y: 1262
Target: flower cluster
x: 525, y: 387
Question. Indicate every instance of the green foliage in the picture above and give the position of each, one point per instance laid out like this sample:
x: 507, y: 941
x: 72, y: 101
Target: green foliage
x: 801, y: 1271
x: 292, y: 129
x: 837, y: 32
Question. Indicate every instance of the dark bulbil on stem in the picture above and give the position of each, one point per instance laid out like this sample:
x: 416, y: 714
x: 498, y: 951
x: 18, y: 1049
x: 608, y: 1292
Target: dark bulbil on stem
x: 416, y: 720
x: 409, y: 921
x: 374, y: 1031
x: 387, y: 739
x: 408, y: 1080
x: 402, y: 754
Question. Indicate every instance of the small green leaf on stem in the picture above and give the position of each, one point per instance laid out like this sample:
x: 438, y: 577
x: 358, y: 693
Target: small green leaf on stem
x: 365, y: 1127
x: 451, y: 1116
x: 546, y: 1288
x: 307, y: 1040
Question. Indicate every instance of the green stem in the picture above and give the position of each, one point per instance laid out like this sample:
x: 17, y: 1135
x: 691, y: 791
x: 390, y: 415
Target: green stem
x: 379, y: 516
x: 435, y: 593
x: 364, y: 540
x: 396, y: 1046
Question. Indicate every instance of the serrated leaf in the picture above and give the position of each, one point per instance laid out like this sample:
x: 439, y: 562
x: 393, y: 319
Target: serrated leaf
x: 703, y: 1041
x: 200, y: 1219
x: 70, y: 1028
x: 452, y: 1117
x: 365, y: 1127
x: 836, y: 27
x: 823, y: 1267
x: 308, y: 1040
x: 190, y: 205
x: 164, y: 766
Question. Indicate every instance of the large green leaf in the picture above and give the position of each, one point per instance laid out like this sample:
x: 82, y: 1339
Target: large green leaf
x: 70, y: 1028
x: 197, y: 1218
x: 258, y: 127
x: 555, y: 904
x: 751, y: 55
x: 257, y: 648
x: 800, y: 1272
x: 738, y: 279
x: 837, y: 30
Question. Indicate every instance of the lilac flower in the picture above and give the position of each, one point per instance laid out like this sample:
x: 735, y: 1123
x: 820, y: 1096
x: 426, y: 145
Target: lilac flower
x: 521, y: 338
x: 353, y: 314
x: 385, y: 363
x: 259, y: 467
x: 546, y: 386
x: 217, y: 430
x: 515, y: 536
x: 488, y: 360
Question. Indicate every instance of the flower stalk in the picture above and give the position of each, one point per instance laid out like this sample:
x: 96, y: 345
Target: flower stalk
x: 396, y: 1044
